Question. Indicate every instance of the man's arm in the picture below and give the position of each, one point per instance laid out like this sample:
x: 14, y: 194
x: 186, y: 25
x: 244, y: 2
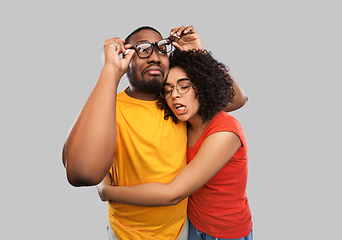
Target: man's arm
x: 238, y: 100
x: 186, y: 38
x: 89, y: 149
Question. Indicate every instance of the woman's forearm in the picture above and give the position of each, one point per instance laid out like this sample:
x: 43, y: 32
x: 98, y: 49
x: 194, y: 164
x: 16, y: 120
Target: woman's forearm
x: 149, y: 194
x: 206, y: 164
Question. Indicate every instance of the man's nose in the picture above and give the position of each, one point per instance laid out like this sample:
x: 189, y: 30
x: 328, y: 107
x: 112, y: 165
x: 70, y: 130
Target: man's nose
x: 155, y: 57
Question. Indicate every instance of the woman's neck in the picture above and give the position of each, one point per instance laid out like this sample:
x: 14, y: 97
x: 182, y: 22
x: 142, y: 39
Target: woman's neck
x: 195, y: 129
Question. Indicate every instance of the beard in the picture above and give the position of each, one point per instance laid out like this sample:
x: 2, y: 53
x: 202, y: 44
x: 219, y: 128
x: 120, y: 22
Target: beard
x: 148, y: 86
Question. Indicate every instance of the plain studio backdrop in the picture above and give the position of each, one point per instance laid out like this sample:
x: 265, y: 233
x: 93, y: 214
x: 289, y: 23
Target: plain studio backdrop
x: 286, y: 56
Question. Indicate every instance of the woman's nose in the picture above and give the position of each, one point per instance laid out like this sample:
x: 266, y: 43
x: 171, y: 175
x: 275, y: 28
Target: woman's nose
x: 174, y: 92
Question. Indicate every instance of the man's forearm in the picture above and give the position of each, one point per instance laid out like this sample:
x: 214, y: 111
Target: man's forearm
x: 238, y: 100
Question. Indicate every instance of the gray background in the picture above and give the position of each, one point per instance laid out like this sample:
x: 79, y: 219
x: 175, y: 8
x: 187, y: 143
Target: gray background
x: 286, y: 56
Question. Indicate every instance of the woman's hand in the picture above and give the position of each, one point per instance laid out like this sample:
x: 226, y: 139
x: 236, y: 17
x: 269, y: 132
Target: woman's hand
x: 102, y: 188
x: 186, y: 38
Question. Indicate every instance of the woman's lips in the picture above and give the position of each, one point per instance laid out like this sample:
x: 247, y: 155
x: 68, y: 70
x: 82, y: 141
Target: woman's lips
x: 180, y: 109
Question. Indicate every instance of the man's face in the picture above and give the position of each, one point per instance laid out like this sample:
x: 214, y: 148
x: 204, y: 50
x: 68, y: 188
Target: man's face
x: 148, y: 74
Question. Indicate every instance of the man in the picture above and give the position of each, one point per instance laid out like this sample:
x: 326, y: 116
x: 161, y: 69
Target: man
x: 127, y: 135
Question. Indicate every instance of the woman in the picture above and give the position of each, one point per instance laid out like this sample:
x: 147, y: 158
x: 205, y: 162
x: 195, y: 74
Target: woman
x: 197, y: 89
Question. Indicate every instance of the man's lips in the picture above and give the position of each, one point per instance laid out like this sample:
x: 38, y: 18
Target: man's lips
x: 153, y: 70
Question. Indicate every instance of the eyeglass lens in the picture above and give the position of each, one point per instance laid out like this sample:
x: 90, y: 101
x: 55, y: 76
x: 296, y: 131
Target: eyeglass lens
x: 182, y: 88
x: 145, y: 50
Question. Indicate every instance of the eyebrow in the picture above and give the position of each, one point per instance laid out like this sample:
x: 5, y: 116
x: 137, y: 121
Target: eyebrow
x: 183, y: 79
x: 179, y: 80
x: 146, y: 41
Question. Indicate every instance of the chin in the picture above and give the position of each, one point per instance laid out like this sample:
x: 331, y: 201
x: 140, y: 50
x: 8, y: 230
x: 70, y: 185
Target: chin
x: 182, y: 118
x: 158, y: 77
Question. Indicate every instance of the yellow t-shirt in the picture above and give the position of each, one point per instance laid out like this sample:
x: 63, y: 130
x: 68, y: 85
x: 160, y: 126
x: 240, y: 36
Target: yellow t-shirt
x: 148, y: 149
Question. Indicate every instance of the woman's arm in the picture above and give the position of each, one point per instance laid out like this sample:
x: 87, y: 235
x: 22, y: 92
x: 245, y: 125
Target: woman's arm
x: 238, y: 100
x: 216, y: 150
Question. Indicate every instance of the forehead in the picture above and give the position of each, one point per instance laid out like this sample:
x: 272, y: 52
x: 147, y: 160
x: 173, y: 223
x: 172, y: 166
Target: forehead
x: 144, y: 36
x: 175, y: 74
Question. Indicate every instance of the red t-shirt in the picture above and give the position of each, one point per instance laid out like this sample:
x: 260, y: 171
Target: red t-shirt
x: 220, y: 207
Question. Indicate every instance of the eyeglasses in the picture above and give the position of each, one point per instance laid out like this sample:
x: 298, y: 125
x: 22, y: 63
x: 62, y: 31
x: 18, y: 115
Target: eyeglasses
x: 183, y: 86
x: 144, y: 50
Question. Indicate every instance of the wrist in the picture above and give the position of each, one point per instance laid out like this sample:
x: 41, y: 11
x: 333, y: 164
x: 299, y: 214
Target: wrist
x: 110, y: 71
x: 108, y: 193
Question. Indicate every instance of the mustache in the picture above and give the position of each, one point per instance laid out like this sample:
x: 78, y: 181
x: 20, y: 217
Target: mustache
x: 154, y: 66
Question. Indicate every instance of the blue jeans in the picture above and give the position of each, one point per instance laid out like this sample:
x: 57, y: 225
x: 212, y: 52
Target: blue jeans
x: 194, y: 234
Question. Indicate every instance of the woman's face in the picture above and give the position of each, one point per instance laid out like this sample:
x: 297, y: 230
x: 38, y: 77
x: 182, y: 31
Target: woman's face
x: 184, y: 106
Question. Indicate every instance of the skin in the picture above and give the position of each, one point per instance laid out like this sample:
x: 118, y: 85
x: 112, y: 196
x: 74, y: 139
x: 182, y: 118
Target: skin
x: 188, y: 104
x: 89, y: 149
x: 153, y: 68
x: 215, y: 152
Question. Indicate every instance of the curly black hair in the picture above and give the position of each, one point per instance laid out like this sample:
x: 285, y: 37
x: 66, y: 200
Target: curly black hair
x: 211, y: 81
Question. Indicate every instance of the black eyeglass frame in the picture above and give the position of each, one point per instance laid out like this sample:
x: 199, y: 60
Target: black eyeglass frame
x: 152, y: 44
x: 162, y: 91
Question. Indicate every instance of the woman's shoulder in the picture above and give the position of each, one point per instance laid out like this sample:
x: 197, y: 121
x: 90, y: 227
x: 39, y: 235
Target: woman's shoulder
x: 224, y: 122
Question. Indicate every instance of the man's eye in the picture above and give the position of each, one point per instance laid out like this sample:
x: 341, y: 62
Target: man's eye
x: 142, y: 50
x: 161, y: 52
x: 162, y: 48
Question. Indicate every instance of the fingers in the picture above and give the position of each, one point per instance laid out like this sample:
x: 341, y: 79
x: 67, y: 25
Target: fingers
x: 189, y: 29
x: 128, y: 56
x: 115, y: 40
x: 116, y: 43
x: 177, y: 31
x: 182, y: 30
x: 176, y: 45
x: 127, y: 46
x: 112, y: 48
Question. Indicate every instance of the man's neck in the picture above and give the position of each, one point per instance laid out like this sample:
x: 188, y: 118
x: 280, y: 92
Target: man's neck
x: 134, y: 93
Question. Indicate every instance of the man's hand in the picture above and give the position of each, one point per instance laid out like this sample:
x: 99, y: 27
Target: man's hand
x: 111, y: 51
x: 103, y: 186
x: 186, y: 38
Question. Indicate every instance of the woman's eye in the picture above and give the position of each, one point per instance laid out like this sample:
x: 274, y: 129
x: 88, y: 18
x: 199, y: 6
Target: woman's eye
x: 183, y: 85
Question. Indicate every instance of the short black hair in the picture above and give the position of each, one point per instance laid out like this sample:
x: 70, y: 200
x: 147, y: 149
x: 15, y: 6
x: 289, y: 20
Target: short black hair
x: 140, y: 29
x: 211, y: 80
